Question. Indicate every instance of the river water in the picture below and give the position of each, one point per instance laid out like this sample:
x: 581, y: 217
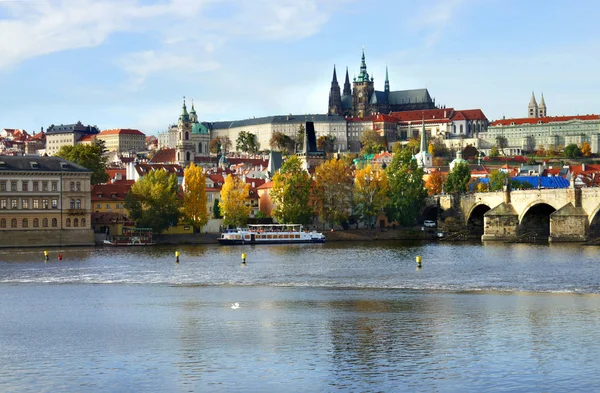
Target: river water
x: 311, y: 318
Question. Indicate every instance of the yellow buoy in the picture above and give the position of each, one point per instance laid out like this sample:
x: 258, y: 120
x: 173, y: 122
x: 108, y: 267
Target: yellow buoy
x: 243, y: 258
x: 45, y: 255
x: 177, y: 256
x: 418, y: 259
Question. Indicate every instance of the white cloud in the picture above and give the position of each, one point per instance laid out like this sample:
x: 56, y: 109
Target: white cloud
x: 436, y: 17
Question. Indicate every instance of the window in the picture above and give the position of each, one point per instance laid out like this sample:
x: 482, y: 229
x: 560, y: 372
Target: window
x: 2, y: 186
x: 13, y: 185
x: 55, y: 203
x: 98, y: 206
x: 36, y: 186
x: 3, y: 203
x: 72, y: 203
x: 72, y: 186
x: 78, y: 204
x: 54, y: 223
x: 45, y: 223
x: 24, y: 203
x: 36, y: 222
x: 13, y: 223
x: 3, y: 223
x: 68, y: 224
x: 25, y: 185
x: 44, y: 186
x: 13, y: 203
x: 44, y: 204
x: 78, y: 186
x: 108, y: 206
x: 54, y: 186
x: 25, y: 223
x: 75, y: 222
x: 36, y: 203
x: 118, y: 206
x: 83, y: 222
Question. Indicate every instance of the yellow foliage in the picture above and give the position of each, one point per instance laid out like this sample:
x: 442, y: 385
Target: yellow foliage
x: 194, y: 197
x: 370, y: 191
x: 333, y: 191
x: 234, y: 204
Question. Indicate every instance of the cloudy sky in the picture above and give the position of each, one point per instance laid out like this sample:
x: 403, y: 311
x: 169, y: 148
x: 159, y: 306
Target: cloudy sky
x: 128, y: 63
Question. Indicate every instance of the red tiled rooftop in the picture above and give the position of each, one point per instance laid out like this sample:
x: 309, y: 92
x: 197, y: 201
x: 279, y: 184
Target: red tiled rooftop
x: 119, y: 131
x: 543, y: 120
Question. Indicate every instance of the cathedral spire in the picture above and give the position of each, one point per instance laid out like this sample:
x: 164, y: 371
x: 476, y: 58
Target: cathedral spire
x: 334, y: 80
x: 335, y: 99
x: 542, y: 112
x: 387, y: 81
x: 532, y: 109
x: 347, y: 88
x: 363, y: 76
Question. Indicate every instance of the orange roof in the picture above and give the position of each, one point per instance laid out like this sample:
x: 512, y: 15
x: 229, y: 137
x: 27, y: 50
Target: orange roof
x: 87, y: 138
x: 164, y: 156
x: 268, y: 185
x: 543, y: 120
x: 119, y: 131
x: 103, y: 192
x: 112, y: 173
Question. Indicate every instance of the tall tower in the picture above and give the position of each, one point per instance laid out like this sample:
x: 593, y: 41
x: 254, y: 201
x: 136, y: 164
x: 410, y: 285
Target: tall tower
x: 185, y: 147
x: 542, y: 108
x: 335, y: 99
x: 424, y: 158
x: 387, y: 82
x: 532, y: 109
x: 363, y: 88
x: 347, y: 88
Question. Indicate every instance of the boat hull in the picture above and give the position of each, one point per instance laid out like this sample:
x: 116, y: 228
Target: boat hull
x: 282, y: 241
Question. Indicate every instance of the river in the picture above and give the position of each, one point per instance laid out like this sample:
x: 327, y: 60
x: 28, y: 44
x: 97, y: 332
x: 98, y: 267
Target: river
x: 328, y: 317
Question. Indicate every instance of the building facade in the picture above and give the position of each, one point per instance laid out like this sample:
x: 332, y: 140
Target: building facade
x: 66, y: 135
x: 44, y: 201
x: 123, y: 140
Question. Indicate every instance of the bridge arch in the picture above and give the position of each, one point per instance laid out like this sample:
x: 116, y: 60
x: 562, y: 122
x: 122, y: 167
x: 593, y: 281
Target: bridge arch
x: 594, y: 220
x: 474, y: 219
x: 431, y: 212
x: 536, y: 218
x: 533, y: 203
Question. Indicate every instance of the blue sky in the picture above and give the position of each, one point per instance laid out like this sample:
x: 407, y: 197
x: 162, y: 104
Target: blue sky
x: 128, y: 63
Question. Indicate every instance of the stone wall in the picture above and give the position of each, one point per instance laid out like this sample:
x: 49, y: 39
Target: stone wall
x: 47, y: 238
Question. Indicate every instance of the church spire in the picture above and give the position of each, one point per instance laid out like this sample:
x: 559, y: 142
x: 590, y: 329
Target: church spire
x: 532, y: 109
x: 334, y: 80
x: 387, y: 81
x: 347, y: 88
x: 424, y: 147
x: 542, y: 112
x: 184, y: 113
x: 335, y: 99
x: 363, y: 76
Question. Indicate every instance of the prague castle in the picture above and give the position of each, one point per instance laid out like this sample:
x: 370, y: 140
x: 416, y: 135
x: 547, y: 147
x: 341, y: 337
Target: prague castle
x: 362, y: 100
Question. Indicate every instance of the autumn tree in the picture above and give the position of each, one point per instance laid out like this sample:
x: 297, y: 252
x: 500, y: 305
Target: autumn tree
x: 494, y: 152
x: 437, y: 148
x: 220, y: 141
x: 371, y: 190
x: 435, y: 183
x: 458, y: 178
x: 325, y: 143
x: 586, y: 150
x: 246, y: 142
x: 502, y: 143
x: 332, y: 191
x: 291, y: 193
x: 153, y: 201
x: 88, y: 156
x: 413, y: 145
x: 194, y: 196
x: 438, y: 161
x: 299, y: 138
x: 282, y: 142
x: 372, y: 142
x: 407, y: 189
x: 234, y: 204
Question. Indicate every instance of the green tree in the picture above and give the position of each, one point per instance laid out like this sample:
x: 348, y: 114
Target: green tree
x: 458, y: 178
x: 153, y: 202
x: 246, y: 142
x: 299, y: 139
x: 407, y: 189
x: 332, y: 191
x: 291, y: 193
x: 234, y: 201
x: 216, y: 210
x: 282, y: 142
x: 372, y: 142
x: 194, y: 196
x: 469, y: 152
x: 572, y: 151
x: 371, y: 190
x: 502, y: 143
x: 88, y: 156
x: 494, y: 152
x: 217, y: 142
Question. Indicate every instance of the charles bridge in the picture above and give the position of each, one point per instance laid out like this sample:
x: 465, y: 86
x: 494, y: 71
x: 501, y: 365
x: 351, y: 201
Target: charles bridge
x: 558, y: 215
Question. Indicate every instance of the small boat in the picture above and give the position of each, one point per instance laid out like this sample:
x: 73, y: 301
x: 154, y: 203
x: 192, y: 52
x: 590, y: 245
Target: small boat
x: 271, y: 234
x: 131, y: 237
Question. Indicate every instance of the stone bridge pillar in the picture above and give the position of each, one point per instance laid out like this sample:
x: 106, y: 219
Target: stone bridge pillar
x: 501, y: 222
x: 570, y: 223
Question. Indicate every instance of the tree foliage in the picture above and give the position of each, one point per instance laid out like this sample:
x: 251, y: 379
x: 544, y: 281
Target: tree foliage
x: 469, y: 152
x: 325, y: 143
x: 215, y: 209
x: 299, y: 139
x: 586, y: 150
x: 458, y: 179
x: 572, y: 151
x: 234, y: 205
x: 407, y: 189
x: 282, y: 142
x: 494, y: 152
x: 153, y: 202
x: 332, y: 191
x: 291, y: 193
x: 88, y: 156
x: 220, y: 141
x: 246, y: 142
x: 435, y: 183
x: 502, y: 143
x: 372, y: 142
x: 194, y: 196
x: 371, y: 190
x: 437, y: 148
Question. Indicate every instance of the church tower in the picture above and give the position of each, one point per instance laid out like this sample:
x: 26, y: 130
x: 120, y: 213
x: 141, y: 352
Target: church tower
x: 542, y: 108
x: 363, y: 88
x: 347, y: 88
x: 185, y: 147
x: 532, y: 109
x: 424, y: 158
x: 387, y: 82
x: 335, y: 99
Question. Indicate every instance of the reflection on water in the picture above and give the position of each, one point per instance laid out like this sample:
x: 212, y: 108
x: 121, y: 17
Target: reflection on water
x: 325, y: 317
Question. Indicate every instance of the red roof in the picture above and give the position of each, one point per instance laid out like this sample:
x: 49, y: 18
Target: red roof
x: 112, y: 173
x: 103, y: 192
x: 87, y: 138
x: 164, y: 156
x: 268, y: 185
x: 142, y: 168
x: 543, y: 120
x: 472, y: 114
x: 119, y: 131
x: 428, y: 114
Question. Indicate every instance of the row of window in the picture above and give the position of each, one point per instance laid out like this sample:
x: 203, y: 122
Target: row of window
x: 35, y: 203
x: 35, y: 185
x: 36, y: 223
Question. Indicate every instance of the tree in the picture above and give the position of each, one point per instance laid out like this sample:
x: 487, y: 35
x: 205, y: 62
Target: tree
x: 220, y: 141
x: 469, y: 152
x: 291, y: 193
x: 216, y: 210
x: 437, y: 148
x: 326, y: 143
x: 88, y: 156
x: 372, y: 142
x: 458, y: 179
x: 299, y: 139
x: 572, y: 151
x: 246, y: 142
x: 371, y: 190
x: 153, y: 202
x: 282, y: 142
x: 586, y: 150
x: 494, y: 152
x: 497, y: 180
x: 413, y: 145
x: 194, y: 196
x: 407, y: 189
x: 332, y: 191
x: 234, y: 204
x: 502, y: 143
x: 435, y: 183
x: 530, y: 144
x: 438, y: 161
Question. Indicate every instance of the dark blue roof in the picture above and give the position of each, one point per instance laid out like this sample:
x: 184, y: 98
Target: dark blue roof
x: 546, y: 181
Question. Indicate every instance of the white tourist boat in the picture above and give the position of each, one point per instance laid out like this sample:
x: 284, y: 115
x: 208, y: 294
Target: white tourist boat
x: 271, y: 234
